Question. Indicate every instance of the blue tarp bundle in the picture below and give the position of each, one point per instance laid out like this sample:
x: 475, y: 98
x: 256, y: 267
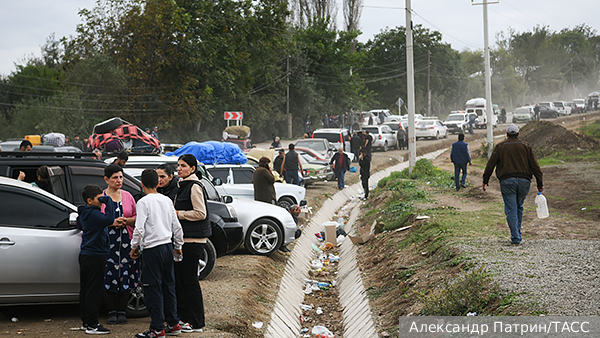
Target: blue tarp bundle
x: 212, y: 152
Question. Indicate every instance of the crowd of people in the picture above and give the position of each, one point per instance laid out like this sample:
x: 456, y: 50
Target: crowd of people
x: 162, y: 236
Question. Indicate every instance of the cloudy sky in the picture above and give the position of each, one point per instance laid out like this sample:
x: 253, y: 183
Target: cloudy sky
x: 26, y: 24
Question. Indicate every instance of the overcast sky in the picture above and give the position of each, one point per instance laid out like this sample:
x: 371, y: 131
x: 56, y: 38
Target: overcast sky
x: 26, y: 24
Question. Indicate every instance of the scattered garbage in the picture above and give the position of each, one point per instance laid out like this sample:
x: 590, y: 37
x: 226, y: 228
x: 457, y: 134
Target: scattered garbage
x: 315, y: 248
x: 306, y: 307
x: 403, y: 228
x: 14, y: 319
x: 340, y: 239
x: 319, y: 311
x: 334, y: 258
x: 327, y: 246
x: 304, y: 330
x: 583, y: 208
x: 471, y: 314
x: 422, y: 217
x: 258, y: 325
x: 365, y: 234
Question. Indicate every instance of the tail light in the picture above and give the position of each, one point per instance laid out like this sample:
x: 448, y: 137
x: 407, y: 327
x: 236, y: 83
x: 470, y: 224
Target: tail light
x: 430, y: 128
x: 380, y: 137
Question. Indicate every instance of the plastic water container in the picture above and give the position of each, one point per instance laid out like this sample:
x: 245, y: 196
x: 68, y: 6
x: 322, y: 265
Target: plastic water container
x: 541, y: 206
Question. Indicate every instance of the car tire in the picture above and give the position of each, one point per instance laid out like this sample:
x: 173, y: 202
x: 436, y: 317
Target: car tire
x: 136, y: 304
x: 207, y: 261
x: 285, y: 202
x: 108, y: 125
x: 385, y: 146
x: 263, y: 237
x: 555, y: 116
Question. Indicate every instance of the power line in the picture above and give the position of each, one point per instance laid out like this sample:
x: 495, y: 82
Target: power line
x: 448, y: 34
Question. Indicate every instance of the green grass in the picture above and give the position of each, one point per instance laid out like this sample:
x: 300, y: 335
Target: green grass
x: 591, y: 129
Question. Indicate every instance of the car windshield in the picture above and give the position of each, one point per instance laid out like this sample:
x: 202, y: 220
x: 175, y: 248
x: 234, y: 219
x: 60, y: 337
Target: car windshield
x: 455, y: 118
x: 316, y: 144
x: 394, y: 126
x: 522, y: 111
x: 331, y: 137
x: 371, y: 130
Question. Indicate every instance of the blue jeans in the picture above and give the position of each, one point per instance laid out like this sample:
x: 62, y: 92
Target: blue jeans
x: 291, y: 176
x: 356, y: 153
x: 340, y: 177
x: 457, y: 169
x: 158, y: 278
x: 514, y: 191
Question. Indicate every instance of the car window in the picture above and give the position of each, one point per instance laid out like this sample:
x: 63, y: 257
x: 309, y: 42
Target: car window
x: 82, y: 176
x: 212, y: 193
x: 242, y: 175
x: 371, y: 130
x: 331, y: 137
x: 22, y: 208
x: 455, y: 118
x: 221, y: 173
x: 316, y: 145
x: 394, y: 126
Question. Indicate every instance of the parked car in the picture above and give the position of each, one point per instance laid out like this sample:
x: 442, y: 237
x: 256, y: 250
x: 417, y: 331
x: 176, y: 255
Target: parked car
x: 580, y: 103
x: 383, y: 137
x: 320, y: 145
x: 562, y: 108
x: 376, y: 115
x: 394, y: 125
x: 431, y: 129
x: 317, y: 167
x: 70, y: 172
x: 546, y: 112
x: 574, y: 107
x: 336, y: 137
x: 457, y: 123
x: 244, y: 143
x: 522, y: 114
x: 418, y: 117
x: 237, y: 180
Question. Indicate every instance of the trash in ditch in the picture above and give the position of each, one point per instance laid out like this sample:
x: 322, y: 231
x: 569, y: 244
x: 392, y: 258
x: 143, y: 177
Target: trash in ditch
x: 471, y: 314
x: 333, y: 258
x: 14, y: 319
x: 340, y: 239
x: 340, y: 222
x: 306, y: 307
x: 258, y: 325
x: 304, y: 330
x: 317, y: 264
x: 583, y: 208
x: 322, y: 332
x: 315, y: 248
x: 319, y: 311
x: 421, y: 217
x: 319, y: 236
x: 327, y: 246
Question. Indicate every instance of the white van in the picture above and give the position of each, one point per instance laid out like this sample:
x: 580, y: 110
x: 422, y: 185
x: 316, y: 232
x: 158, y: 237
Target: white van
x: 477, y: 106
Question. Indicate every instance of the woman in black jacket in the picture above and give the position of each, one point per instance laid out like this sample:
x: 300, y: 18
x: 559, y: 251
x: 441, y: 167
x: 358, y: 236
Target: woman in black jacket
x: 190, y: 205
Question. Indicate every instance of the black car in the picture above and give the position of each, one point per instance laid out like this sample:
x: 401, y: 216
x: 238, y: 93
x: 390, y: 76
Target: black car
x: 70, y: 172
x: 546, y: 112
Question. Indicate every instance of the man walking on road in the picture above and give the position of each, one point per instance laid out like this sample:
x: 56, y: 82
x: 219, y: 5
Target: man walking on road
x: 291, y: 163
x: 365, y: 171
x: 342, y: 164
x: 460, y: 156
x: 515, y: 165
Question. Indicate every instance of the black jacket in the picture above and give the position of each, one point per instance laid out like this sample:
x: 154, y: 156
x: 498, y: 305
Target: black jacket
x: 192, y: 229
x: 170, y: 190
x: 355, y: 142
x: 335, y: 159
x: 365, y: 167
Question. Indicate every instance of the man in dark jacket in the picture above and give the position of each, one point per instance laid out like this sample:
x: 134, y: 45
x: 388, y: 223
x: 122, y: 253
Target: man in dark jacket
x: 278, y: 161
x: 291, y: 163
x: 515, y: 165
x: 400, y: 136
x: 355, y: 143
x: 263, y: 181
x: 365, y: 171
x: 78, y: 144
x: 460, y: 156
x: 167, y: 182
x: 325, y: 121
x: 536, y: 112
x: 342, y: 164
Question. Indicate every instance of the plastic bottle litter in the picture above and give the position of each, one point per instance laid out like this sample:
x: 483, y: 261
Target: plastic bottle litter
x: 316, y: 248
x: 322, y: 332
x: 333, y: 258
x: 542, y: 206
x: 340, y: 222
x: 305, y: 307
x: 258, y: 325
x: 14, y: 319
x: 324, y: 285
x: 317, y: 264
x: 319, y: 311
x: 304, y: 330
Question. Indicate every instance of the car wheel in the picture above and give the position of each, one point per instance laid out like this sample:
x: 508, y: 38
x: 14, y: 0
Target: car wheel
x: 207, y: 261
x: 285, y: 202
x: 555, y: 116
x: 385, y: 146
x: 263, y: 237
x: 136, y: 305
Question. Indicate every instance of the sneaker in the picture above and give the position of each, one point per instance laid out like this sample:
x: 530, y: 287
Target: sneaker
x: 151, y: 334
x: 97, y: 329
x: 190, y: 328
x: 121, y: 319
x: 112, y: 319
x: 463, y: 185
x: 174, y: 330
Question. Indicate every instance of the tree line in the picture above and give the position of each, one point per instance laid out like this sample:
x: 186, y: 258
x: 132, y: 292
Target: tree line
x: 180, y: 64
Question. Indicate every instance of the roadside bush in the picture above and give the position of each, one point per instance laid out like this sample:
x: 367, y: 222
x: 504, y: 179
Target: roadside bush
x: 424, y: 170
x: 472, y: 292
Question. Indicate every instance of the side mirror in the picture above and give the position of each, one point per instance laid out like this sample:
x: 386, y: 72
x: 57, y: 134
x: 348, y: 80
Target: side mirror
x: 227, y: 199
x: 217, y: 181
x: 73, y: 219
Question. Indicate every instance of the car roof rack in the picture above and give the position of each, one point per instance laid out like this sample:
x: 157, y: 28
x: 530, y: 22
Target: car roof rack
x: 45, y: 154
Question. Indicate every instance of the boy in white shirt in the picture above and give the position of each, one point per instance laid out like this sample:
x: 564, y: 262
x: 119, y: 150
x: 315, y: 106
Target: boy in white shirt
x: 155, y: 225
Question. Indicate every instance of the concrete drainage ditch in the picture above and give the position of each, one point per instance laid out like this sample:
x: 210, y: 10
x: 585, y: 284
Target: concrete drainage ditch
x: 357, y: 320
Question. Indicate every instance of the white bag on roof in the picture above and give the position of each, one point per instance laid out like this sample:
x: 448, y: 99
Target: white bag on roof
x: 54, y: 139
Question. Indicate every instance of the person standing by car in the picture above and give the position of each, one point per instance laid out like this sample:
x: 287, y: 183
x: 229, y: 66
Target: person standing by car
x: 167, y: 182
x: 503, y: 115
x: 381, y: 118
x: 92, y: 255
x: 278, y: 161
x: 158, y: 233
x: 276, y: 143
x: 515, y: 165
x: 291, y: 163
x: 78, y: 144
x: 370, y: 119
x: 307, y: 124
x: 121, y: 159
x: 122, y: 273
x: 400, y: 136
x: 364, y: 162
x: 536, y: 112
x: 471, y: 123
x: 460, y: 156
x: 263, y: 181
x: 190, y: 206
x: 326, y: 121
x: 342, y: 164
x: 25, y: 146
x: 367, y: 142
x: 355, y: 143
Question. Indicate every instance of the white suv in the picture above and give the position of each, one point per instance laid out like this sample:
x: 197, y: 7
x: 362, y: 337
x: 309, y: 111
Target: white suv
x: 562, y: 108
x: 383, y: 136
x: 457, y: 123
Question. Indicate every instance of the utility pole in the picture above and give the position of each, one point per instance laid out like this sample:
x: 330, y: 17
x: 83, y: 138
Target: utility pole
x: 287, y: 99
x: 428, y: 89
x: 410, y: 90
x: 488, y: 80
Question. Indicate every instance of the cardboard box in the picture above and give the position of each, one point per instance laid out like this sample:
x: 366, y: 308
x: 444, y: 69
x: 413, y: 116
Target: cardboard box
x: 365, y: 234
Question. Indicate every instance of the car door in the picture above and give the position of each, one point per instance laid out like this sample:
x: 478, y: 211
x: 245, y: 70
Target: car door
x: 38, y: 248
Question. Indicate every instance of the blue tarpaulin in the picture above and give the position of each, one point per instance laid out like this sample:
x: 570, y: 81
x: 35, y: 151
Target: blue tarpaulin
x: 212, y: 152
